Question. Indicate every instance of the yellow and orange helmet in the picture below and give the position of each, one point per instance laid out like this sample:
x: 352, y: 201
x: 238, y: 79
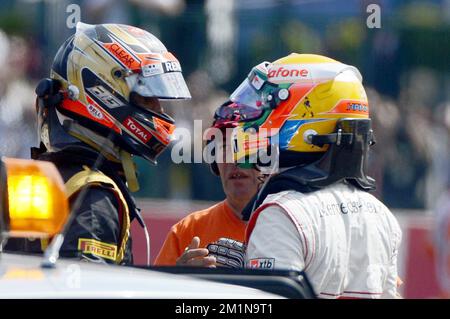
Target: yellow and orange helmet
x: 292, y: 99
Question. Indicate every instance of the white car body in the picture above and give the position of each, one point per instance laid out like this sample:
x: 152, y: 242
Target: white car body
x: 22, y: 276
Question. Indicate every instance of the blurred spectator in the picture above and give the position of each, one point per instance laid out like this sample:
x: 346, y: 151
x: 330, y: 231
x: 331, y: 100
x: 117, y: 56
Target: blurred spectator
x: 385, y: 127
x: 442, y: 242
x: 438, y: 177
x: 119, y: 11
x: 17, y: 114
x: 168, y: 7
x: 410, y: 161
x: 106, y: 11
x: 438, y: 195
x: 404, y: 62
x: 205, y: 99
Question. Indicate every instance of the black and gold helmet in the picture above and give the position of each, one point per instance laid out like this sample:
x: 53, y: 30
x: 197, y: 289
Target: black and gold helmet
x: 103, y: 73
x: 109, y: 79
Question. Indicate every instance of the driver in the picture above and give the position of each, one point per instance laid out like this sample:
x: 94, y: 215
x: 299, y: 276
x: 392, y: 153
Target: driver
x: 99, y: 108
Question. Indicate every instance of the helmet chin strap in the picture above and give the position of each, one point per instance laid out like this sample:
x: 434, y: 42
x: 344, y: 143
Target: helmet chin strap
x: 100, y: 143
x: 130, y: 171
x: 108, y: 150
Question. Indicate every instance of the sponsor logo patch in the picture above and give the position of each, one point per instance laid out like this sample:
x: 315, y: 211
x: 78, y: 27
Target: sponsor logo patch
x: 105, y: 96
x: 357, y: 107
x: 95, y: 112
x: 152, y: 69
x: 288, y: 72
x: 122, y: 55
x: 137, y: 129
x: 97, y: 248
x: 172, y: 66
x: 262, y: 263
x: 257, y: 82
x: 351, y: 107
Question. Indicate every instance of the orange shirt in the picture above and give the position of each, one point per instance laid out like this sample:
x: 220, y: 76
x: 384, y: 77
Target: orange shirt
x: 209, y: 225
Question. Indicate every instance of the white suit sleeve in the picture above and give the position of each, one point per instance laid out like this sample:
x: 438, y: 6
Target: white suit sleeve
x: 274, y: 242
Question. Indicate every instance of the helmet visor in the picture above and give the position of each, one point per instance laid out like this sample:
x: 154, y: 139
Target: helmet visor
x: 165, y: 86
x: 249, y: 102
x: 237, y: 112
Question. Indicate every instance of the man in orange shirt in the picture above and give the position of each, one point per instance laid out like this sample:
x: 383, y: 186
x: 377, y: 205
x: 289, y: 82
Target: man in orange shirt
x: 187, y: 240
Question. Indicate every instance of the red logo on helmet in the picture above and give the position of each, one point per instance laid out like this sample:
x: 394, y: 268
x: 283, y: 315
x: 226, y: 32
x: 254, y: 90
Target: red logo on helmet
x: 288, y: 73
x: 123, y: 55
x: 137, y: 130
x: 95, y: 112
x: 351, y: 107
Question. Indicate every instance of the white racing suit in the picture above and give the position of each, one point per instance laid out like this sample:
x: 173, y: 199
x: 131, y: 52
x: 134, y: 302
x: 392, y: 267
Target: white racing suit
x: 342, y: 237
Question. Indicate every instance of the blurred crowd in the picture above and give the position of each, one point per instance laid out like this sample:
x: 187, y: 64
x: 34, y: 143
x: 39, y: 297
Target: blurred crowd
x: 17, y: 115
x: 217, y: 45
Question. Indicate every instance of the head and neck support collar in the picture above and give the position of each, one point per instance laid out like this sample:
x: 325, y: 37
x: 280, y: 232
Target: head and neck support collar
x: 345, y: 161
